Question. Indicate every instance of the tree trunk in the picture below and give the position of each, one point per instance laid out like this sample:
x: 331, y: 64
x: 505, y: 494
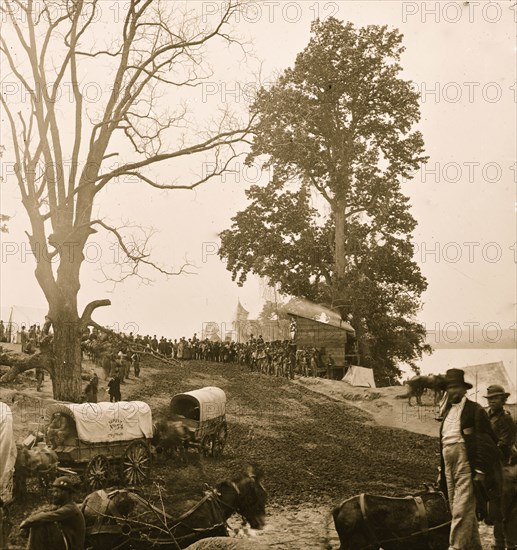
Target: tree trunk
x: 66, y: 379
x: 339, y: 243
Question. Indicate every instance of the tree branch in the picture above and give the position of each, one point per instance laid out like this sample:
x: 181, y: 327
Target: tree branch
x: 86, y: 317
x: 20, y: 363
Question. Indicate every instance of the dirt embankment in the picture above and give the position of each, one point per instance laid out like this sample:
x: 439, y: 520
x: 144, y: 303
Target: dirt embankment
x: 318, y: 442
x: 387, y: 406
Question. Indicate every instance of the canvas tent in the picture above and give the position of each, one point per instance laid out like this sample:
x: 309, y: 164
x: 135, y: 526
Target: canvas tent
x: 359, y: 376
x: 486, y: 374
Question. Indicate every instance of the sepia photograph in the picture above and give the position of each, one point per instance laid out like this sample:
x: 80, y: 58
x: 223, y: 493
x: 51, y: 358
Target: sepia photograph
x: 258, y: 274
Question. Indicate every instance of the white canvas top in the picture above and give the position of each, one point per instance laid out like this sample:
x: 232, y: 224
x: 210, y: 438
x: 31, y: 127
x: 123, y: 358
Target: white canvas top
x: 211, y: 401
x: 7, y: 453
x: 359, y: 376
x: 104, y: 422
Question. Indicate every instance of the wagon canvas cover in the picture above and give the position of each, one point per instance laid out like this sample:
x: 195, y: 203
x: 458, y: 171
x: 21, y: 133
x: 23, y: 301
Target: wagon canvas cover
x: 200, y: 405
x: 7, y: 453
x: 104, y: 422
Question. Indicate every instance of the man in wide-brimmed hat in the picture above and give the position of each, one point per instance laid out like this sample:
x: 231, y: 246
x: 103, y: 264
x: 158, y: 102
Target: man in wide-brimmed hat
x: 505, y: 534
x: 469, y: 456
x: 66, y: 514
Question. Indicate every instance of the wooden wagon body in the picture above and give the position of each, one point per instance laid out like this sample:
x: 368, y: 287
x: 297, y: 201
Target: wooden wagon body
x: 315, y: 326
x: 99, y: 440
x: 203, y: 413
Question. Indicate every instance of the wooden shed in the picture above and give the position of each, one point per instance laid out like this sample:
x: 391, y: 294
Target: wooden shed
x: 317, y: 326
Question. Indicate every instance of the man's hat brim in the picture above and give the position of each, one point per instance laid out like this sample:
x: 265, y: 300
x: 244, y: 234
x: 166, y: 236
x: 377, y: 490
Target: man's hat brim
x: 467, y: 385
x: 504, y: 394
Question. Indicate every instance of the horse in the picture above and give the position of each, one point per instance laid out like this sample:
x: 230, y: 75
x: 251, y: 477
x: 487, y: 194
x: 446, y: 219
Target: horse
x: 418, y: 384
x: 171, y: 437
x: 124, y: 517
x: 371, y: 522
x: 40, y: 463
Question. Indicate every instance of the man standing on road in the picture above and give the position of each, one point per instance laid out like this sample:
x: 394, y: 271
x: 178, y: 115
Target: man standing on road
x: 470, y: 459
x: 504, y: 429
x: 67, y: 515
x: 114, y: 389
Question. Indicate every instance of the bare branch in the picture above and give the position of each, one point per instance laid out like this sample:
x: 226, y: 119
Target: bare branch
x: 225, y: 138
x: 138, y: 255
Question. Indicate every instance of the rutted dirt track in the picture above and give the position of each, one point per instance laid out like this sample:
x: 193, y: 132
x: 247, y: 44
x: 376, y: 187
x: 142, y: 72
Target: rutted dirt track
x: 316, y: 449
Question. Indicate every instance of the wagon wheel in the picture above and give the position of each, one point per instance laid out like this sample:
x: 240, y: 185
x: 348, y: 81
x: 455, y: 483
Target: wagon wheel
x: 207, y: 445
x: 97, y: 473
x: 220, y: 440
x: 136, y: 463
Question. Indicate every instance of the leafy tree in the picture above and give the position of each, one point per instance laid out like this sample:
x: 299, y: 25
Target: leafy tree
x: 273, y: 311
x: 65, y: 154
x: 332, y: 224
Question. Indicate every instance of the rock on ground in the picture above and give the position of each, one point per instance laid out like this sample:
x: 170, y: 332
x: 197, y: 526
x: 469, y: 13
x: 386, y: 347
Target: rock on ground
x: 226, y: 543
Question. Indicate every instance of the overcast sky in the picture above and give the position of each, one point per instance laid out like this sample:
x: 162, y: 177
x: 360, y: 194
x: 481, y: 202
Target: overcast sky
x: 462, y: 57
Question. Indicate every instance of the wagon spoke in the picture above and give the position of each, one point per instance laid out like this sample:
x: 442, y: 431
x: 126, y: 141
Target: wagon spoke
x: 97, y: 472
x: 136, y: 463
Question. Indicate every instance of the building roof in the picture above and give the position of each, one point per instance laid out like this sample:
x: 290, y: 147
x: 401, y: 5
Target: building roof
x: 301, y: 307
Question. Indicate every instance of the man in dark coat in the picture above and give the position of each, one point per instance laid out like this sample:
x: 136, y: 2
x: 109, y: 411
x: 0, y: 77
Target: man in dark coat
x: 66, y: 514
x: 114, y: 389
x: 504, y: 429
x: 471, y: 462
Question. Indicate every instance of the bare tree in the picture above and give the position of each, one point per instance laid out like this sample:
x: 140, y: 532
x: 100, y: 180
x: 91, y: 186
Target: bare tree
x: 63, y: 152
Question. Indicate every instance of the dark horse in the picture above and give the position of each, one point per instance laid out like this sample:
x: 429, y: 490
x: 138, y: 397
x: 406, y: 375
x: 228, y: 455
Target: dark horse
x: 123, y: 519
x: 418, y: 384
x: 170, y: 439
x: 369, y: 522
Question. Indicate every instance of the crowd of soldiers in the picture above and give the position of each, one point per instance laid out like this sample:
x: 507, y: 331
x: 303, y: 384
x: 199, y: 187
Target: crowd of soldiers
x: 276, y: 358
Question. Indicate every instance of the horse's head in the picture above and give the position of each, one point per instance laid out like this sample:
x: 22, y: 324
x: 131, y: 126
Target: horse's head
x: 247, y: 496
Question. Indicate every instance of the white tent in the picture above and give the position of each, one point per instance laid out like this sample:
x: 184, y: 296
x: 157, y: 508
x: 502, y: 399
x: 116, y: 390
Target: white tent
x: 359, y: 376
x: 486, y: 374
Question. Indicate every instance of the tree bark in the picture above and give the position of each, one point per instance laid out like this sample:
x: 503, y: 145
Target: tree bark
x: 20, y: 363
x: 339, y: 241
x: 66, y: 382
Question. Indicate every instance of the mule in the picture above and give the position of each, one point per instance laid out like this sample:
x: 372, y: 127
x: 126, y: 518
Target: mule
x: 370, y: 522
x: 125, y: 518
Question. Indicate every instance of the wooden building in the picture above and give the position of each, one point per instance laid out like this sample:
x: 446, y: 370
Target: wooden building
x: 316, y: 326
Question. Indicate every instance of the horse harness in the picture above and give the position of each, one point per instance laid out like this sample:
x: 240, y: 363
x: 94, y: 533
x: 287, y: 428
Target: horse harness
x: 421, y: 514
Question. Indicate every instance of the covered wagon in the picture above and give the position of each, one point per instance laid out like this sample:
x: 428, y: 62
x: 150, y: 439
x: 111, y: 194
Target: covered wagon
x: 7, y: 453
x: 102, y: 440
x: 203, y: 413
